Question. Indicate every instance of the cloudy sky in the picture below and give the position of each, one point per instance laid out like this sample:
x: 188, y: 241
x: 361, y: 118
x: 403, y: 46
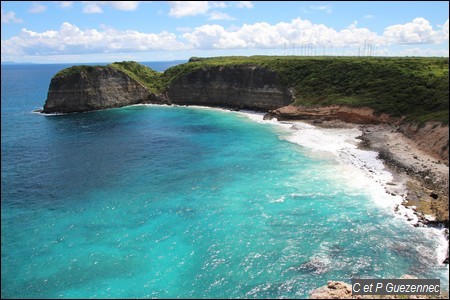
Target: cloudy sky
x: 106, y: 31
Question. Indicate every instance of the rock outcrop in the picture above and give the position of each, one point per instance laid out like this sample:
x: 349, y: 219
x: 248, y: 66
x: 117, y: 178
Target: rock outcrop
x: 360, y: 115
x: 85, y: 88
x: 431, y: 137
x: 334, y: 290
x: 342, y: 290
x: 247, y: 87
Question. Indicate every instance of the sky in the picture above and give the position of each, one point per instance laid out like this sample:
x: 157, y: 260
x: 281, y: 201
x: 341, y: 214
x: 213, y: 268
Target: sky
x: 108, y: 31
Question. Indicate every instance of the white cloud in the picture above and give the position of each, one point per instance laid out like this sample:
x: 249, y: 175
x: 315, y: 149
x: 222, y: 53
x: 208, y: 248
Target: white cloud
x: 217, y: 4
x: 124, y: 5
x: 217, y: 15
x: 243, y: 4
x: 70, y: 39
x: 419, y: 31
x: 325, y: 8
x: 298, y: 34
x: 9, y: 17
x: 65, y: 4
x: 264, y: 35
x: 37, y: 8
x: 368, y: 16
x: 93, y: 7
x: 179, y: 9
x: 444, y: 31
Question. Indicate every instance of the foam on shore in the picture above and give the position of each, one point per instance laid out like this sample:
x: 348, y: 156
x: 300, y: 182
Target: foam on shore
x: 359, y: 170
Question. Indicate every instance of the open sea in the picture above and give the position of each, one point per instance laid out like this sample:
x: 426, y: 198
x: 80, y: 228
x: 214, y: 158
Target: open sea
x: 190, y: 202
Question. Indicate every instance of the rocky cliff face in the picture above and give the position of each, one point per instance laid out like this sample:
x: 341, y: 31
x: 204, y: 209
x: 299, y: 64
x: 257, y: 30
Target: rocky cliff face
x: 360, y: 115
x: 85, y: 88
x: 431, y: 137
x: 247, y: 87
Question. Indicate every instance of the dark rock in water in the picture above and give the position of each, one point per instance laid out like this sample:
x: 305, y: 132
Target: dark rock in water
x: 315, y: 265
x: 85, y: 88
x: 318, y: 121
x: 268, y: 116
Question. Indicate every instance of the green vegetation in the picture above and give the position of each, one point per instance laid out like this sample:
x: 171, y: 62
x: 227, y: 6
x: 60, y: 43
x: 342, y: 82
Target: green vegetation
x: 416, y: 88
x: 144, y: 75
x: 73, y: 70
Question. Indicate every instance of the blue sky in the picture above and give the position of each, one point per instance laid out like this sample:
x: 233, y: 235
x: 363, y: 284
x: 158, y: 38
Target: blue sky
x: 106, y: 31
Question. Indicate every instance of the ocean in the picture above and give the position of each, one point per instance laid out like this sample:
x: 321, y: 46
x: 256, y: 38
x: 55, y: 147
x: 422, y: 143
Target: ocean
x: 151, y: 201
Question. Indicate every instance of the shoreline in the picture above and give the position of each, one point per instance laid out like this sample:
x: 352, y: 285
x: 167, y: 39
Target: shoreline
x: 416, y: 177
x: 418, y: 184
x: 425, y: 178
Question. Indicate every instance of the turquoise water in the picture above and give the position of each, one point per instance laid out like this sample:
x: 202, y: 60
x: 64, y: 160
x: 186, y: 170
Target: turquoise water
x: 167, y: 202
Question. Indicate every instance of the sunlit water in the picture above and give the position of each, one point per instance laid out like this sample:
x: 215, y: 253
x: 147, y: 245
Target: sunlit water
x: 158, y: 201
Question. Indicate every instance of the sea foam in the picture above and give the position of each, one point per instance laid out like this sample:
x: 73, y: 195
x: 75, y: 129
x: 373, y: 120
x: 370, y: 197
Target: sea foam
x: 358, y: 169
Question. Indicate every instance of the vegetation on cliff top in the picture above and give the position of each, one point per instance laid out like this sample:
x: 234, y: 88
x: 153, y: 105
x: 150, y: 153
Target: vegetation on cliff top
x: 416, y: 88
x: 142, y: 74
x: 73, y: 70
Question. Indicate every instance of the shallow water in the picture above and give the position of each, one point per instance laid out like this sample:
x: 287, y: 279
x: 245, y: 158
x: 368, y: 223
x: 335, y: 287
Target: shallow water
x: 158, y: 201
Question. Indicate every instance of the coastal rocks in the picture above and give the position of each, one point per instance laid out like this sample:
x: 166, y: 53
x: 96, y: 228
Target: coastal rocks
x: 427, y: 180
x: 85, y: 88
x: 362, y: 115
x: 432, y: 137
x: 316, y: 265
x: 342, y: 290
x: 334, y: 290
x: 242, y: 87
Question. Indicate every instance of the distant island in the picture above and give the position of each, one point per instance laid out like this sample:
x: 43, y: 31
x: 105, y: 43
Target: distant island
x: 407, y: 97
x: 6, y: 63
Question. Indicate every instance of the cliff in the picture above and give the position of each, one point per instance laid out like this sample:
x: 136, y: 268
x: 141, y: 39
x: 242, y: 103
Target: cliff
x: 248, y: 87
x: 407, y: 89
x: 85, y: 88
x: 399, y: 91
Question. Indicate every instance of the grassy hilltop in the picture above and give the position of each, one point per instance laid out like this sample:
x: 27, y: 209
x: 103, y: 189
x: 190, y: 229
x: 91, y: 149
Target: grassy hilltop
x: 416, y: 88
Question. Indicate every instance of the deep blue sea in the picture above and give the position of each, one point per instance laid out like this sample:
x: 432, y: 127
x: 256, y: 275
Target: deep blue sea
x: 186, y: 202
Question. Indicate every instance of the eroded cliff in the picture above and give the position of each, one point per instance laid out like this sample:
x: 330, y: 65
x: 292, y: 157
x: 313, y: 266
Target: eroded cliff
x: 248, y: 87
x: 85, y: 88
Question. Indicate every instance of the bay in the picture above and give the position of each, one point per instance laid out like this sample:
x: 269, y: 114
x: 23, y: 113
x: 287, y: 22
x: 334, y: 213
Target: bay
x: 166, y: 202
